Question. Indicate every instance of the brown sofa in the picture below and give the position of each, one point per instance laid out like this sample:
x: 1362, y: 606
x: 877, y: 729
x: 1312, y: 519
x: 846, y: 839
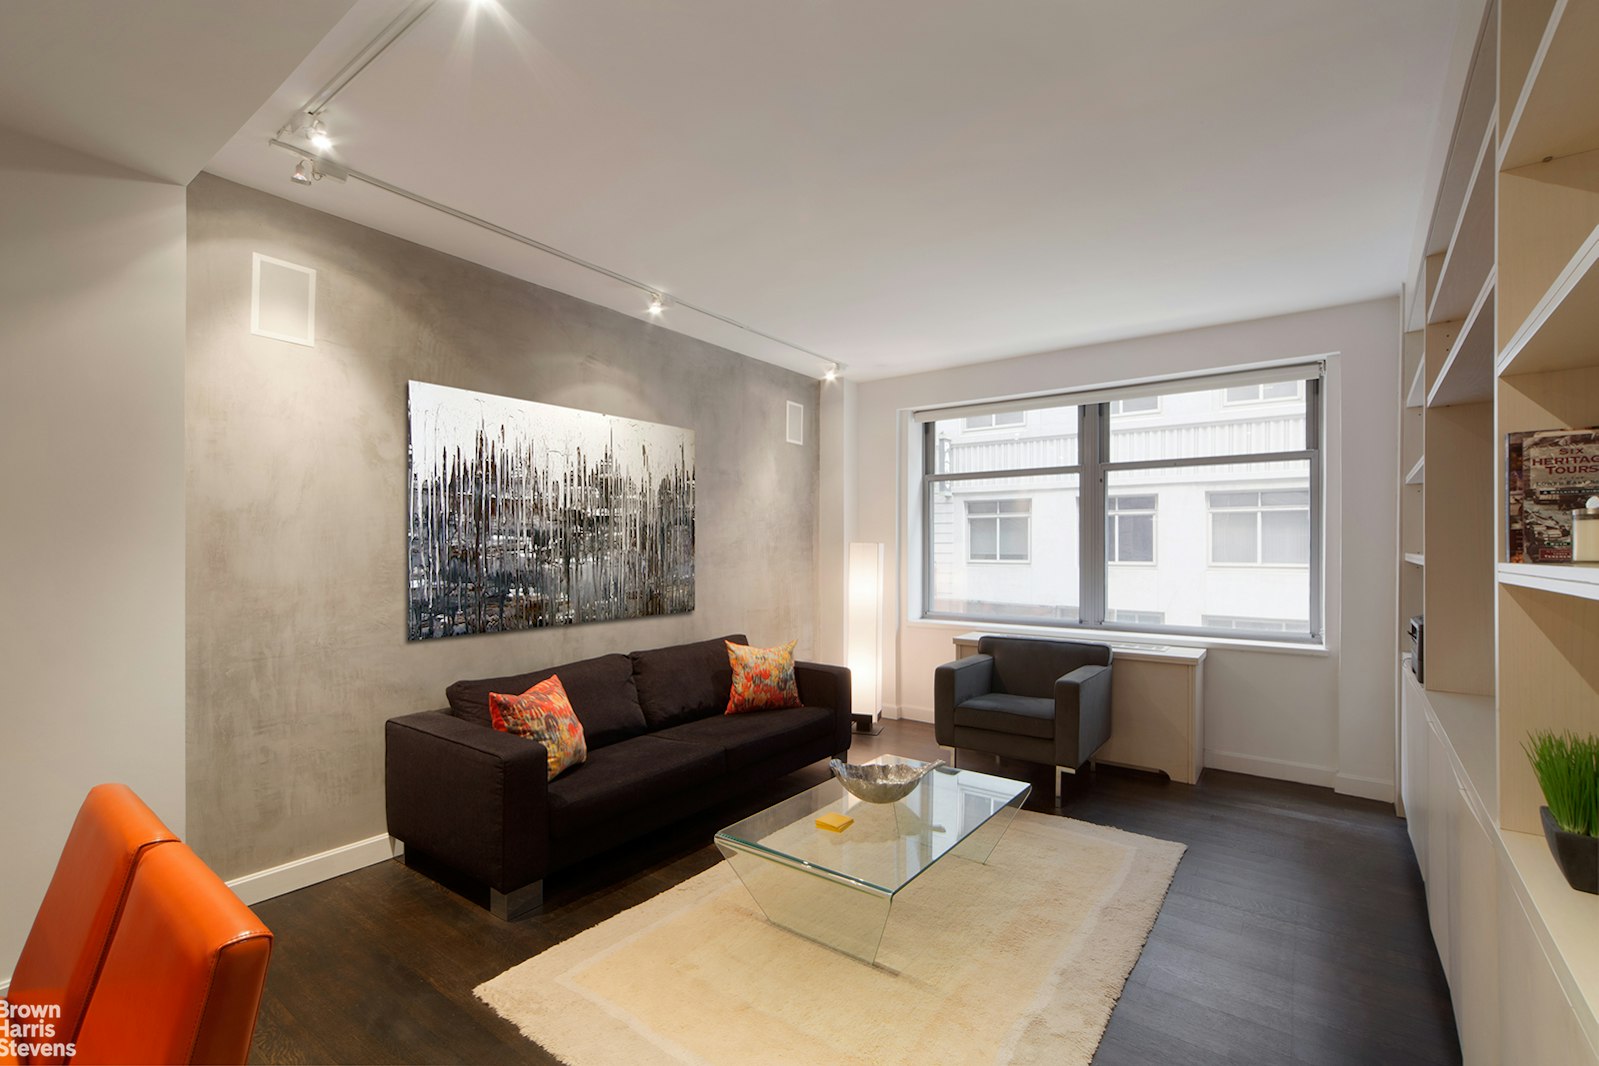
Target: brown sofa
x: 462, y: 794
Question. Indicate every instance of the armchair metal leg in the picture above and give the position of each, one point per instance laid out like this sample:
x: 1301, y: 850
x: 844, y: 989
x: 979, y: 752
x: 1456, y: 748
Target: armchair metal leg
x: 518, y: 903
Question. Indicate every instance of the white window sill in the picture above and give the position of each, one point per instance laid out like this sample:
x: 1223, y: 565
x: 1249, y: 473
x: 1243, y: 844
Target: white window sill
x: 1175, y: 640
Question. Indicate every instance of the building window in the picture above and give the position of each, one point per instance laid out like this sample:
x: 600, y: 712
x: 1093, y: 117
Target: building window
x: 1136, y: 405
x: 1260, y: 528
x: 998, y: 531
x: 1002, y: 420
x: 1239, y: 502
x: 1130, y: 529
x: 1136, y: 618
x: 1265, y: 393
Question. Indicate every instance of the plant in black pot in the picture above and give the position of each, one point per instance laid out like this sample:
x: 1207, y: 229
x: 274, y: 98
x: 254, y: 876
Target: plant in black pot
x: 1568, y: 772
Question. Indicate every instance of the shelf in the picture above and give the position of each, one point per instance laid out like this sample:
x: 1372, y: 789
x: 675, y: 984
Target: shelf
x: 1563, y: 919
x: 1415, y: 559
x: 1471, y: 248
x: 1566, y: 579
x: 1417, y: 395
x: 1555, y: 115
x: 1416, y: 472
x: 1562, y: 332
x: 1468, y: 373
x: 1472, y: 728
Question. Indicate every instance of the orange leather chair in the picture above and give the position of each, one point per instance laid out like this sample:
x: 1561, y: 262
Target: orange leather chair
x: 62, y: 956
x: 182, y: 982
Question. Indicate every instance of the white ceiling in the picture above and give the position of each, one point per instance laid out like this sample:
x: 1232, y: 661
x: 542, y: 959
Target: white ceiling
x: 154, y: 85
x: 902, y: 184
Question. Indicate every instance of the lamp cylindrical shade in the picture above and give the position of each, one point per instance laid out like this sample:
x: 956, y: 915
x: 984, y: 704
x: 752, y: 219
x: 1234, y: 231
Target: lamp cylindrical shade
x: 865, y: 627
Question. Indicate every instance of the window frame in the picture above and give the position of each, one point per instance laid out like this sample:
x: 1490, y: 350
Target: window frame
x: 1093, y: 469
x: 1154, y: 529
x: 1258, y: 510
x: 1299, y: 394
x: 994, y: 424
x: 998, y: 515
x: 1124, y: 413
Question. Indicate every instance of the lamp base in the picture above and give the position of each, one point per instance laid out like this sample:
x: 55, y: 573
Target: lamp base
x: 870, y: 724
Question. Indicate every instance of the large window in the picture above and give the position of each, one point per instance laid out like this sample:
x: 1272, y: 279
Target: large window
x: 1192, y: 507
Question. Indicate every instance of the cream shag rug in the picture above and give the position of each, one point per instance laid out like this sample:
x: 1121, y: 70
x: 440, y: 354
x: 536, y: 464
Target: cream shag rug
x: 1019, y: 960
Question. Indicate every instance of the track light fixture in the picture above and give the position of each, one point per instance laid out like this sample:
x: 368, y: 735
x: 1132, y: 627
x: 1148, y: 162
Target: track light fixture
x: 832, y: 373
x: 303, y: 173
x: 317, y: 134
x: 656, y: 304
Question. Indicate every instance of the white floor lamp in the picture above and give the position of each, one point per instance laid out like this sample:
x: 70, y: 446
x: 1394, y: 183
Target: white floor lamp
x: 865, y: 636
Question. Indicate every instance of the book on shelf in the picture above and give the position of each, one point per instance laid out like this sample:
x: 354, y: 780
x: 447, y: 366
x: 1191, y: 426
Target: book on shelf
x: 1549, y: 473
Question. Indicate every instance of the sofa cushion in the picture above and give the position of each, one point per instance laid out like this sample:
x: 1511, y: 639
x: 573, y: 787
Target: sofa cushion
x: 748, y: 738
x: 684, y: 682
x: 999, y: 713
x: 542, y: 713
x: 641, y: 774
x: 601, y: 692
x: 763, y: 678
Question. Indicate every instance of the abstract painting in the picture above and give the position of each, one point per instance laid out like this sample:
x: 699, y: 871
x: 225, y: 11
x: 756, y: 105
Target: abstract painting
x: 525, y: 515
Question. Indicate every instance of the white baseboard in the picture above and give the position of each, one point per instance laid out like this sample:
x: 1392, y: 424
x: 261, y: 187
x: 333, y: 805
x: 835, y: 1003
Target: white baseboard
x: 1371, y: 788
x: 303, y: 873
x: 314, y: 869
x: 1277, y: 769
x: 915, y: 714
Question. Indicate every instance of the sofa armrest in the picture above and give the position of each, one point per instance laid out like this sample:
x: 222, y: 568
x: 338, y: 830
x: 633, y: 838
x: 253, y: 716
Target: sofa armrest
x: 822, y: 685
x: 471, y: 797
x: 1082, y: 714
x: 955, y: 683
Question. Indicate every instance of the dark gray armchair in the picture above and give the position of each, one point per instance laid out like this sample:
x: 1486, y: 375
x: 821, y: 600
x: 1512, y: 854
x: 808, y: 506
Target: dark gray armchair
x: 1043, y: 701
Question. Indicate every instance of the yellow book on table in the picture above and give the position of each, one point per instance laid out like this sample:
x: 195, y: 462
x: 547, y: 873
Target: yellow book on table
x: 834, y: 822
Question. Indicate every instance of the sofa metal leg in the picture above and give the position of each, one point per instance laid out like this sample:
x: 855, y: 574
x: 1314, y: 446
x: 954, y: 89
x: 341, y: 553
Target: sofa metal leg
x: 518, y: 903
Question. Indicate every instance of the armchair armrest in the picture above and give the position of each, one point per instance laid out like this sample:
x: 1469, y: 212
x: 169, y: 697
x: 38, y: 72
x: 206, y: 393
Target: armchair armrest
x: 1082, y: 714
x: 469, y: 796
x: 955, y: 683
x: 822, y: 685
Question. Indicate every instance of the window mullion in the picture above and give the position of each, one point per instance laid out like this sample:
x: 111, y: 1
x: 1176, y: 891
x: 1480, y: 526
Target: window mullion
x: 1091, y: 566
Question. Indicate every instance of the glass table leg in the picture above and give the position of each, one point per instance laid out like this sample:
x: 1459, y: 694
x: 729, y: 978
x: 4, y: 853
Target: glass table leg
x: 844, y: 916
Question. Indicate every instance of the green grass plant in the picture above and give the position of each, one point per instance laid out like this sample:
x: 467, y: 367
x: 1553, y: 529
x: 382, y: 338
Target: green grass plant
x: 1568, y: 772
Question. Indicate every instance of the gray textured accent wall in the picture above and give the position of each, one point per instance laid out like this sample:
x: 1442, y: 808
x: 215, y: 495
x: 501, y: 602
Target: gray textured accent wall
x: 296, y: 505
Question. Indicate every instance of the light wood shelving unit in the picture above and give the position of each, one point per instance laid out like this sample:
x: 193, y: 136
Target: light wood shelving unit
x: 1509, y: 342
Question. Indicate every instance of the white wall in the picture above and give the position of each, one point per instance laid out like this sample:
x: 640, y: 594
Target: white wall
x: 1326, y: 717
x: 91, y: 530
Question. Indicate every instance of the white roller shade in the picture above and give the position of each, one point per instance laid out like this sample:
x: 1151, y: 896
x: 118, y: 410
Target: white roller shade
x: 1299, y: 371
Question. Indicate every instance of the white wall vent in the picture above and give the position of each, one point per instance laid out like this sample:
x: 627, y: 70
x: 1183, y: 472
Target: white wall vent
x: 282, y: 300
x: 796, y: 423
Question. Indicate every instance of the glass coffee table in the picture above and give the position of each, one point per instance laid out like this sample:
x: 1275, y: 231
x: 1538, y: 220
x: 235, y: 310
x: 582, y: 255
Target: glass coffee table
x: 838, y: 888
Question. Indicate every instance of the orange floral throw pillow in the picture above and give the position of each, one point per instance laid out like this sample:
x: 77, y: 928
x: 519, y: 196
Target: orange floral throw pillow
x: 542, y: 713
x: 763, y: 678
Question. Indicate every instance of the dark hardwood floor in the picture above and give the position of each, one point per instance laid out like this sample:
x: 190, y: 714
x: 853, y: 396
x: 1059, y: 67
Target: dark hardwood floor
x: 1294, y: 932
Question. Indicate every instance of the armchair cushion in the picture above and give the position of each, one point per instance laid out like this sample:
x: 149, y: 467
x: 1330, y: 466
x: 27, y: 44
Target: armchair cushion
x: 1027, y: 716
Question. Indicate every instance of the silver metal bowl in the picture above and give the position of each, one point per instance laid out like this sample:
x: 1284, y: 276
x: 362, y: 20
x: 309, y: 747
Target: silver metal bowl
x: 881, y: 782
